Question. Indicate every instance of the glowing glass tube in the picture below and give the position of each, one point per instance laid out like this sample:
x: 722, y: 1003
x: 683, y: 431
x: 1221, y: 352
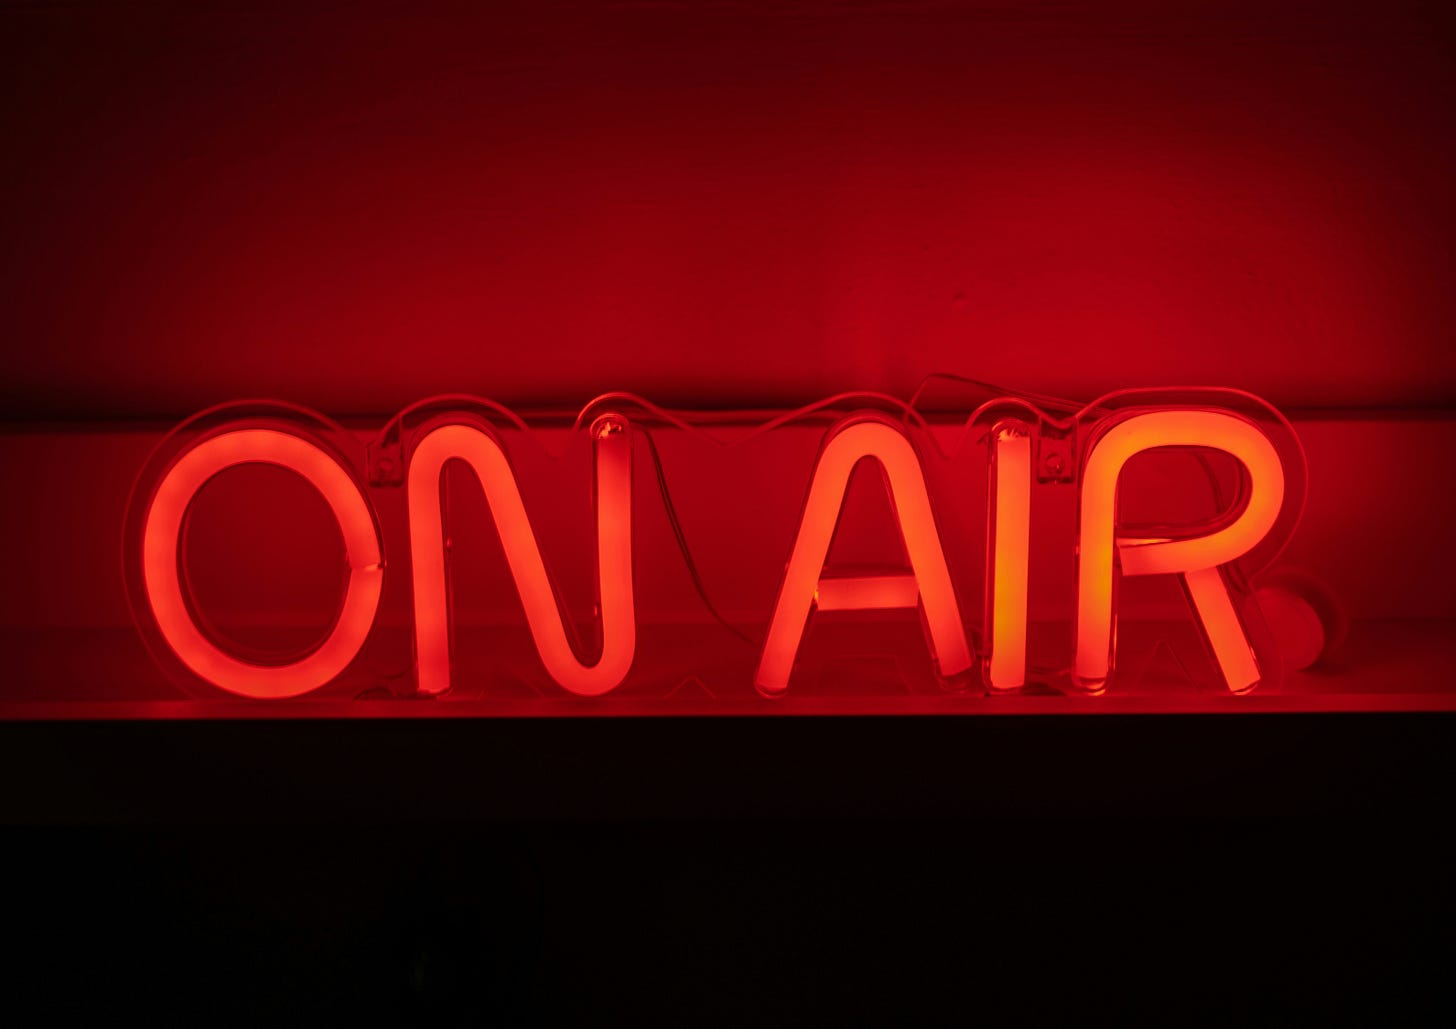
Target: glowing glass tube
x: 487, y: 459
x: 804, y: 586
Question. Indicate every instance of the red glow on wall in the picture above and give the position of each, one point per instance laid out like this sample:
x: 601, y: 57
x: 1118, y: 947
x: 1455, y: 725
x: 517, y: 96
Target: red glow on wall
x: 725, y: 204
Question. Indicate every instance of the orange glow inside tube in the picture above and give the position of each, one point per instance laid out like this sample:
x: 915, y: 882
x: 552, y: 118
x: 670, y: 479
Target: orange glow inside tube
x: 1196, y: 558
x: 804, y: 587
x: 486, y: 458
x: 161, y: 538
x: 1009, y: 533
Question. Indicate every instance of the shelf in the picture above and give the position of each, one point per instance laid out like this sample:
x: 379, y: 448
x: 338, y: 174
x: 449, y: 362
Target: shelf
x: 1384, y: 666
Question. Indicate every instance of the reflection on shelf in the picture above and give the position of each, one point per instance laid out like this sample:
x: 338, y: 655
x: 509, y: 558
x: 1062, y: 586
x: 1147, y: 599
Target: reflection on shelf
x: 850, y: 669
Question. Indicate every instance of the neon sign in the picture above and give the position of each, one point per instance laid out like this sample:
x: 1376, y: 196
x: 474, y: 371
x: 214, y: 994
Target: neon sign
x: 1031, y: 443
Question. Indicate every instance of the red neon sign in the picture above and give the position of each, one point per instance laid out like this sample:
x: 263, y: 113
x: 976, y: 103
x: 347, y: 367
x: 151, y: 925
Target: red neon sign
x: 1086, y: 450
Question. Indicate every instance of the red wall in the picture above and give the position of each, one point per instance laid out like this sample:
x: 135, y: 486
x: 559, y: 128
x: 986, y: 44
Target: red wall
x: 721, y: 203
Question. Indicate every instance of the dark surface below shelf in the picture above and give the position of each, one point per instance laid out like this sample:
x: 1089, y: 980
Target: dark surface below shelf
x: 736, y: 870
x: 1264, y: 922
x: 342, y: 771
x: 581, y: 871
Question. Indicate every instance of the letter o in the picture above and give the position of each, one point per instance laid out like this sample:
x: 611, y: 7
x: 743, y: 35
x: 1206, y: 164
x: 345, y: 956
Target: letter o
x: 161, y: 537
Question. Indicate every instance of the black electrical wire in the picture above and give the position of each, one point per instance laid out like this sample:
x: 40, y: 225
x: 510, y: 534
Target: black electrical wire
x: 682, y: 543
